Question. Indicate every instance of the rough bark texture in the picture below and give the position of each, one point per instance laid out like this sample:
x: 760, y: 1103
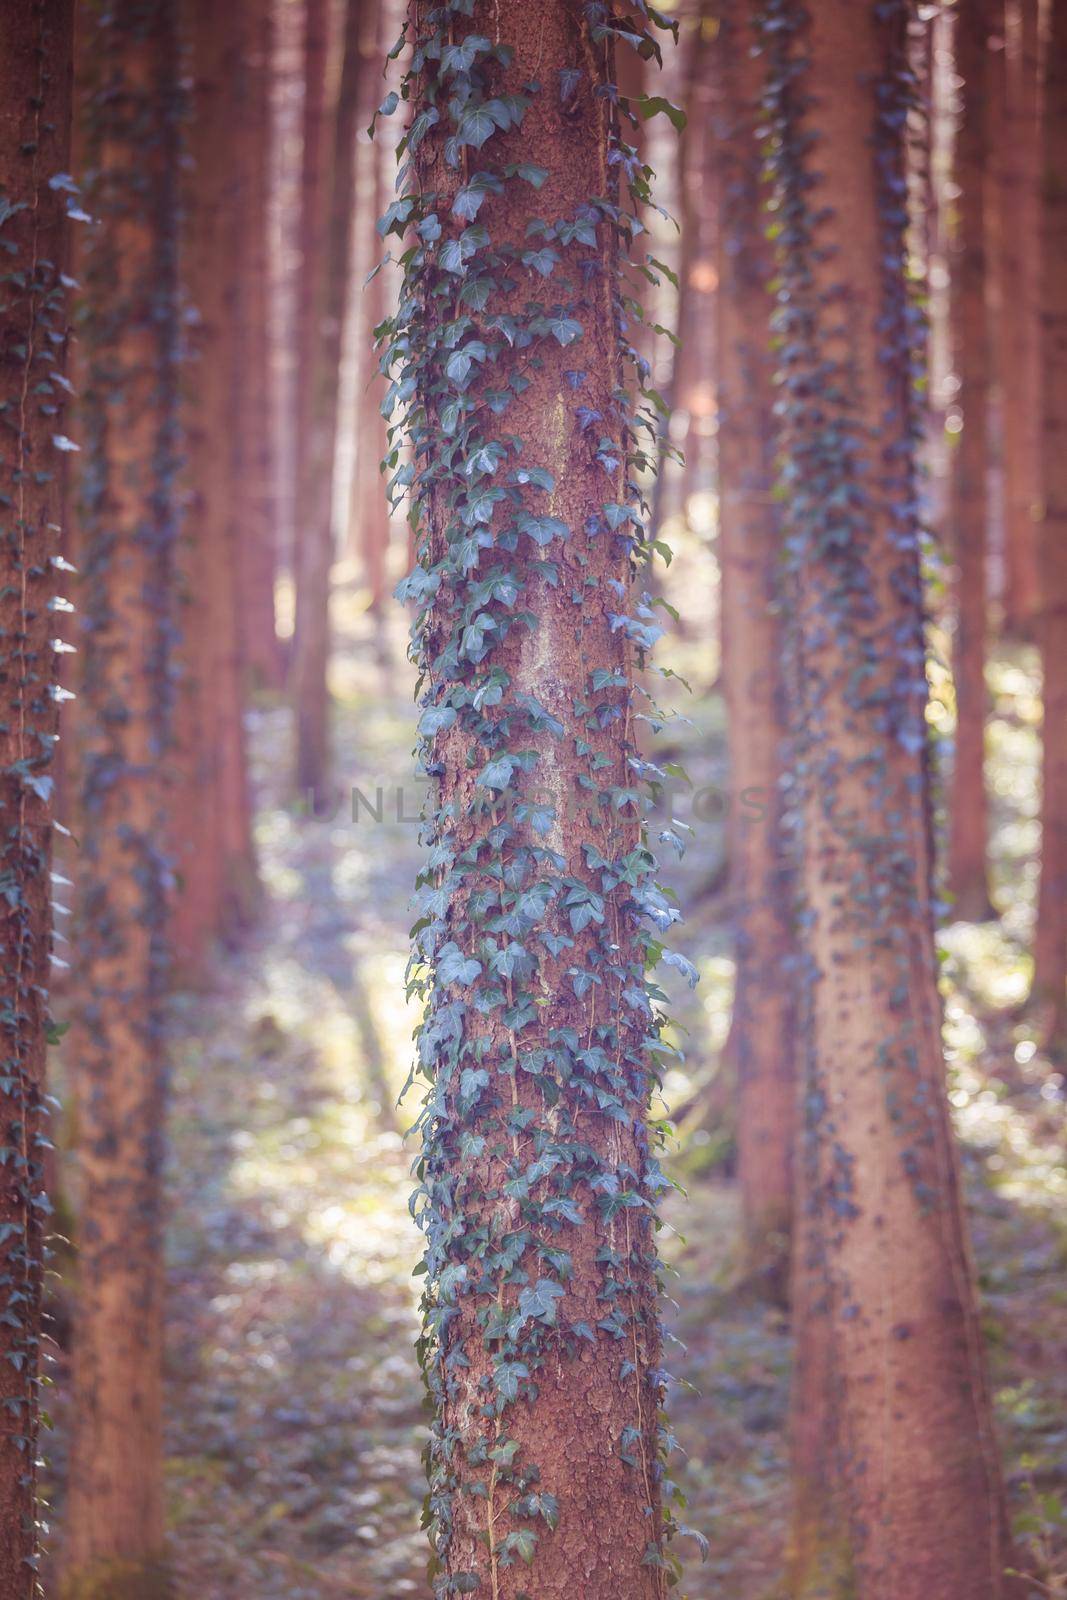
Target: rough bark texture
x: 35, y: 108
x: 1050, y: 947
x: 1019, y: 376
x: 969, y: 506
x: 762, y: 1038
x: 115, y: 1506
x: 897, y: 1488
x: 542, y: 1341
x: 214, y: 857
x: 313, y: 543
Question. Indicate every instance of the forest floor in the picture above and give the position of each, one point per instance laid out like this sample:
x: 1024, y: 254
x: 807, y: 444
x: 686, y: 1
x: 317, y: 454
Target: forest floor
x: 294, y: 1401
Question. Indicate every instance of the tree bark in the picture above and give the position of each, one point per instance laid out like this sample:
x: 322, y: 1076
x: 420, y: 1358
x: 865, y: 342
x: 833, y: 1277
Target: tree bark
x: 1050, y: 943
x: 763, y: 1026
x: 897, y: 1486
x: 35, y: 112
x: 115, y: 1541
x: 313, y: 547
x: 1020, y: 372
x: 969, y: 511
x: 541, y: 1347
x: 213, y: 847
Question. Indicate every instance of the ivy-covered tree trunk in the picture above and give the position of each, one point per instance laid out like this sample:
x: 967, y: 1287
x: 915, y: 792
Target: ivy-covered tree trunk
x: 1020, y: 370
x: 312, y: 552
x: 114, y: 1514
x: 35, y: 109
x: 1050, y: 944
x: 897, y: 1485
x: 214, y: 855
x: 541, y: 1343
x: 969, y: 502
x: 762, y: 1039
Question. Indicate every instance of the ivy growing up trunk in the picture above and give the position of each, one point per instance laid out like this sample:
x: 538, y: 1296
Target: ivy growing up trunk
x: 538, y: 911
x: 35, y: 102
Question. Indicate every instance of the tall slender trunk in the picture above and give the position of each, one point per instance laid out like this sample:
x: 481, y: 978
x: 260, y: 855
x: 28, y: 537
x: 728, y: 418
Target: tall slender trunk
x: 35, y: 111
x: 257, y: 530
x: 212, y: 814
x: 1020, y: 262
x: 898, y: 1493
x: 763, y: 1026
x: 115, y: 1506
x: 368, y: 510
x: 541, y: 1341
x: 312, y: 535
x: 969, y: 510
x: 1050, y: 943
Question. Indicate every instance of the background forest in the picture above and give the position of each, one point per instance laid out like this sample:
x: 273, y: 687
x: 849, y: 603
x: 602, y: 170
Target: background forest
x: 540, y: 333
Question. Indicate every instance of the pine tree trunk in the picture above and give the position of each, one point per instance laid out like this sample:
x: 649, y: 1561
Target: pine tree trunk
x: 1020, y: 375
x: 215, y: 861
x: 368, y: 511
x: 35, y: 110
x: 763, y: 1025
x: 969, y: 514
x: 897, y: 1487
x: 257, y: 548
x: 1050, y: 943
x: 313, y: 548
x: 541, y: 1348
x: 115, y: 1506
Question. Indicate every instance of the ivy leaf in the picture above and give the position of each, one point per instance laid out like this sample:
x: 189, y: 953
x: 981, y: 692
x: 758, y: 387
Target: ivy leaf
x: 564, y: 329
x: 454, y: 967
x: 651, y: 105
x: 475, y: 126
x: 538, y: 1302
x: 451, y: 256
x: 671, y: 958
x: 524, y: 1542
x: 467, y: 203
x: 435, y: 719
x: 496, y: 774
x: 542, y: 261
x: 533, y: 174
x: 389, y: 104
x: 460, y: 57
x: 542, y: 530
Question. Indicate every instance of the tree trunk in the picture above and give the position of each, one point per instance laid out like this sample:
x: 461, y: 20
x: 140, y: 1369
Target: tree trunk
x: 897, y: 1487
x: 368, y: 510
x: 541, y: 1344
x: 968, y: 811
x: 313, y: 545
x: 115, y: 1506
x: 1050, y: 944
x: 763, y: 1026
x: 257, y: 531
x: 212, y: 812
x: 1020, y: 373
x: 35, y: 109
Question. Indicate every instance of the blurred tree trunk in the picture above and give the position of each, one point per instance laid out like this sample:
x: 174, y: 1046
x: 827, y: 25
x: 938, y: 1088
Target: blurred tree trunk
x: 313, y: 545
x: 115, y: 1506
x: 541, y: 1343
x: 257, y: 532
x: 35, y: 113
x: 368, y: 510
x: 896, y: 1478
x: 1050, y: 944
x: 763, y: 1026
x: 1020, y: 337
x: 212, y: 812
x: 969, y: 506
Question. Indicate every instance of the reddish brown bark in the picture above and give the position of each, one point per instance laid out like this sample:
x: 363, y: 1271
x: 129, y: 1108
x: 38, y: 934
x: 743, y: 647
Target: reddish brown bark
x: 115, y: 1506
x: 897, y: 1486
x: 1019, y: 374
x: 593, y: 1390
x: 257, y: 532
x: 1050, y: 942
x: 35, y: 108
x: 214, y: 857
x: 969, y: 506
x: 763, y: 1027
x: 312, y: 535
